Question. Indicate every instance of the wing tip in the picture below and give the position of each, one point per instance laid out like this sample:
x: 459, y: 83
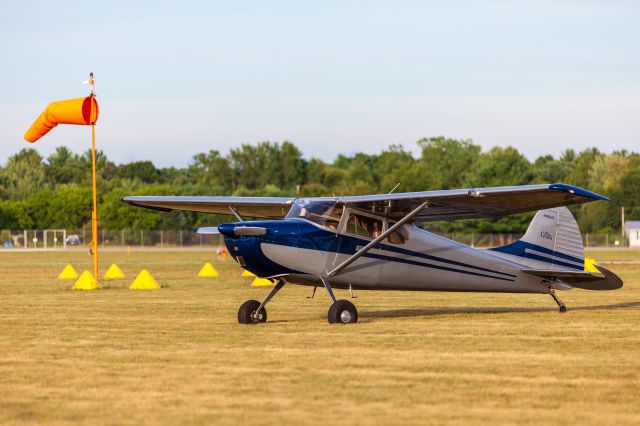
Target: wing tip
x: 134, y: 201
x: 576, y: 190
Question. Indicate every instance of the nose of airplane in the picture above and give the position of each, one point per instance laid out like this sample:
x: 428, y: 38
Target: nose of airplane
x: 227, y: 229
x: 258, y: 245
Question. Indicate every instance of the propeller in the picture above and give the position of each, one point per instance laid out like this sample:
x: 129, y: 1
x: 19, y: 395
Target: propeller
x: 207, y: 230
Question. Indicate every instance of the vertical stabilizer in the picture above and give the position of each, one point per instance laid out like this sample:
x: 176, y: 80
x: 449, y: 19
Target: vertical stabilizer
x: 553, y: 240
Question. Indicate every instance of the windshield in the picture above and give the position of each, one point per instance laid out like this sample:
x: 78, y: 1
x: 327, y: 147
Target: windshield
x: 323, y: 212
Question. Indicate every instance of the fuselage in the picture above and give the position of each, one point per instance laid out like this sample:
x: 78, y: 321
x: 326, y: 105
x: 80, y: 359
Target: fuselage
x: 300, y: 251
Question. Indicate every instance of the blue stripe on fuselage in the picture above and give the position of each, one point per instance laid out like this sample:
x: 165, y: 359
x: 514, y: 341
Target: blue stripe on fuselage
x: 518, y: 248
x: 438, y: 259
x: 432, y: 266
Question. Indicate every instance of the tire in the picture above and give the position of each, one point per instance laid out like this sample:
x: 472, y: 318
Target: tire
x: 343, y: 312
x: 247, y: 310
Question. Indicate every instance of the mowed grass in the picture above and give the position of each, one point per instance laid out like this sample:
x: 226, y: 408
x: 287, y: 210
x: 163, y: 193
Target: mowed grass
x: 178, y: 356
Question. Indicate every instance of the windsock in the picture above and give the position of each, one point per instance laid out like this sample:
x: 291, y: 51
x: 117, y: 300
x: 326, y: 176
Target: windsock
x: 83, y: 111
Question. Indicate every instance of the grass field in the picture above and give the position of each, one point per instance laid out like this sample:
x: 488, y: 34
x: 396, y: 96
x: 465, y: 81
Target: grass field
x: 177, y: 355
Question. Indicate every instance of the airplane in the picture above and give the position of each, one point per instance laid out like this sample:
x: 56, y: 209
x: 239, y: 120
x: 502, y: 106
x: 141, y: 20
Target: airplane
x: 372, y: 242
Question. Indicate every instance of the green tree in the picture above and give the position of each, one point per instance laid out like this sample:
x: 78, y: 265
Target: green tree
x: 627, y: 192
x: 144, y: 171
x: 23, y: 174
x: 212, y: 169
x: 63, y: 166
x: 57, y: 192
x: 546, y: 169
x: 499, y: 167
x: 582, y: 167
x: 397, y: 166
x: 449, y: 159
x: 114, y: 214
x: 69, y: 207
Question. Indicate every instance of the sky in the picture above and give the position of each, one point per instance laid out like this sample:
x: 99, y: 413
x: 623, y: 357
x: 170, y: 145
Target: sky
x: 177, y: 78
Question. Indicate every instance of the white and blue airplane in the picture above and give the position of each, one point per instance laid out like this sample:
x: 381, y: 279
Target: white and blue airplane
x: 371, y: 242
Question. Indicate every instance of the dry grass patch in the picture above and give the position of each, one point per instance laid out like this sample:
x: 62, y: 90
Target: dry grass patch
x: 177, y: 355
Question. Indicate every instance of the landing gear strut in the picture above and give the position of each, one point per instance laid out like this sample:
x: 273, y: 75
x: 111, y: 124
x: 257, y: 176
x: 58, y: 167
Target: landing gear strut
x: 560, y: 303
x: 341, y: 311
x: 254, y: 312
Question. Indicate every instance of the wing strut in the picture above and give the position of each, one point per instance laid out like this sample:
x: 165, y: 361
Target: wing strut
x: 234, y: 210
x: 375, y: 241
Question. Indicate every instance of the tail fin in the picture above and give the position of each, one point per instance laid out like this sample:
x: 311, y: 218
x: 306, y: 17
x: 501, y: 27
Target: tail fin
x: 553, y: 240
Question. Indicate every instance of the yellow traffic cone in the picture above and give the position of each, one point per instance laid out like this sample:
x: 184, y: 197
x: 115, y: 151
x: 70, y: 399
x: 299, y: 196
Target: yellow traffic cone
x: 114, y: 272
x: 208, y: 271
x: 590, y: 265
x: 246, y: 273
x: 261, y: 282
x: 68, y: 273
x: 144, y: 281
x: 86, y: 282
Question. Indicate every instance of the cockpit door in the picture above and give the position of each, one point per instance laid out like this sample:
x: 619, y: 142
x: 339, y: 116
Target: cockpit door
x: 357, y: 230
x: 319, y: 245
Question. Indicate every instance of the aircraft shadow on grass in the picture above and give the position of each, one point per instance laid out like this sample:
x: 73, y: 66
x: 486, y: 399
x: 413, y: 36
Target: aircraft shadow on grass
x: 427, y: 312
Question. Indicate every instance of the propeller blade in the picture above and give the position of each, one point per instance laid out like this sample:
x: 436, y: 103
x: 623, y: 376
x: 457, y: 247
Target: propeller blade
x: 207, y: 230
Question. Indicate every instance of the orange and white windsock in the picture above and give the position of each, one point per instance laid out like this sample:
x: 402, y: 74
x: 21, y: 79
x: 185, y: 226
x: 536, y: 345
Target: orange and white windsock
x: 82, y: 111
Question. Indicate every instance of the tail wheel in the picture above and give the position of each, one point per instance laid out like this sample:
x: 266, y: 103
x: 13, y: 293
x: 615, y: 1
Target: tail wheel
x: 248, y: 313
x: 343, y: 312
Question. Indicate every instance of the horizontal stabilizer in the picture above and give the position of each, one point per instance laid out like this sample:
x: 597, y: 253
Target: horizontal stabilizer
x: 605, y: 280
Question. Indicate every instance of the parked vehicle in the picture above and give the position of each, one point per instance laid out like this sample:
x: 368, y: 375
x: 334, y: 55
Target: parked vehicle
x: 73, y: 240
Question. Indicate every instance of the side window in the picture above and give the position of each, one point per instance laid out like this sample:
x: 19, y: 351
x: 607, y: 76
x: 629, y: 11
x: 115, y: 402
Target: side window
x: 400, y: 236
x: 332, y: 224
x: 364, y: 226
x: 334, y: 219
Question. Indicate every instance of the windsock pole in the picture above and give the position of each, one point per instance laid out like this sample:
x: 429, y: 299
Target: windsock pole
x: 82, y: 111
x: 94, y: 212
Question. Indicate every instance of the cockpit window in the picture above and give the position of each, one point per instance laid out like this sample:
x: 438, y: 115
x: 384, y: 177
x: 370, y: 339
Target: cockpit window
x: 325, y: 213
x: 364, y: 226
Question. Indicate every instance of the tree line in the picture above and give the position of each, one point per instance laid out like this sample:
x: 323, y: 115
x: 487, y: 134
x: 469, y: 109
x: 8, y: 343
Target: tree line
x: 55, y: 192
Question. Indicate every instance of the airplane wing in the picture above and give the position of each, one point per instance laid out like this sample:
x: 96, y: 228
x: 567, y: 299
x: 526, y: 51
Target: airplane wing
x: 471, y: 203
x: 262, y: 207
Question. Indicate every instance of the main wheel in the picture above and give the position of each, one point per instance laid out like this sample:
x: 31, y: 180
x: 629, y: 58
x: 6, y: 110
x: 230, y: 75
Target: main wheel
x: 343, y: 312
x: 247, y: 314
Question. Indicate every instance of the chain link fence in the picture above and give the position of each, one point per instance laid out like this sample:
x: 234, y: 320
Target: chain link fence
x: 65, y: 238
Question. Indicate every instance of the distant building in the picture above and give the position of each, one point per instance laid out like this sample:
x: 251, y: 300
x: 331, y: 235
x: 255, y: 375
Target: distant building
x: 633, y: 232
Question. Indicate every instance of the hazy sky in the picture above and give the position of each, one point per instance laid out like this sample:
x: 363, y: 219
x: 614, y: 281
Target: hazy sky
x: 177, y: 78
